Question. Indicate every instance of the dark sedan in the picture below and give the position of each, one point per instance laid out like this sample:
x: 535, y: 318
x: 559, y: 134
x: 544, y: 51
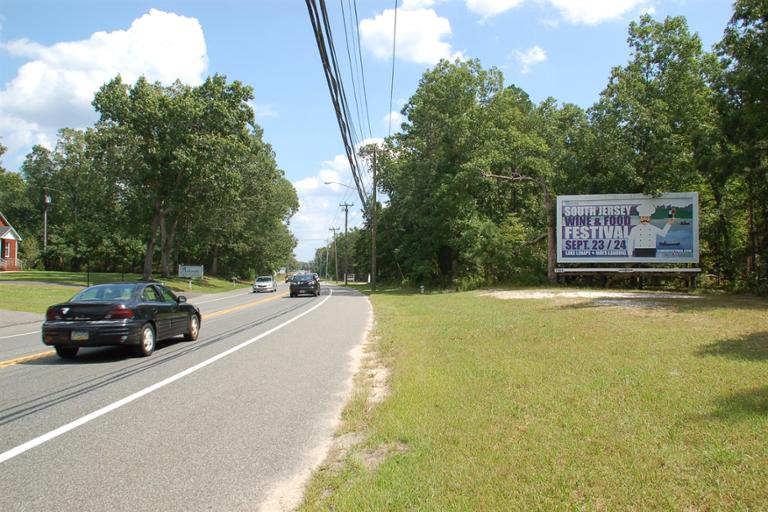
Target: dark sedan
x: 135, y: 314
x: 304, y: 283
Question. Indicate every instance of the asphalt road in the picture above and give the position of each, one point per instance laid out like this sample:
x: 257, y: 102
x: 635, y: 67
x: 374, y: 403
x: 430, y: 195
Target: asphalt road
x: 214, y: 424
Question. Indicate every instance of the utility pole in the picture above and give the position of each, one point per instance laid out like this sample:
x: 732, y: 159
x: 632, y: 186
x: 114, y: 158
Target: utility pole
x: 327, y: 251
x: 346, y: 240
x: 335, y: 252
x: 46, y: 205
x: 373, y: 227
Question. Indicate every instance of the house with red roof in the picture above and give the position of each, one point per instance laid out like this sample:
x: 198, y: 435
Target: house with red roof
x: 9, y: 246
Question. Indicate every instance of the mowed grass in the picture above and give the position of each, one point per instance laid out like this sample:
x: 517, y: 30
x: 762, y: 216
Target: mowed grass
x: 35, y: 298
x: 561, y: 404
x: 33, y: 291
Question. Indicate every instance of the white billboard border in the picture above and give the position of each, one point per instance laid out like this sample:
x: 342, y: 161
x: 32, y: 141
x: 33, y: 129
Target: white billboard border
x: 628, y: 259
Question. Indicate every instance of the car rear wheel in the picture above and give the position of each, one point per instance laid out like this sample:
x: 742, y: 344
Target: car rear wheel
x: 193, y: 328
x: 147, y: 342
x: 66, y: 352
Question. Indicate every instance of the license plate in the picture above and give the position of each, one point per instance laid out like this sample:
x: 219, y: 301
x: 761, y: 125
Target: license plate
x: 79, y: 335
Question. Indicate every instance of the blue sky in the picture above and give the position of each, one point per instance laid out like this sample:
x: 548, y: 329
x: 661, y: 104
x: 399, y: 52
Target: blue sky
x: 55, y: 54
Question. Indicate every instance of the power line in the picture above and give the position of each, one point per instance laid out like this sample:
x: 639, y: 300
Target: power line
x: 362, y: 70
x: 392, y: 80
x: 322, y: 31
x: 354, y: 162
x: 352, y: 67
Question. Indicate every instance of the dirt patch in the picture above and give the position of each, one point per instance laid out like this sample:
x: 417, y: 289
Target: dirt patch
x: 586, y: 294
x: 377, y: 379
x: 640, y: 303
x: 374, y: 457
x: 371, y: 382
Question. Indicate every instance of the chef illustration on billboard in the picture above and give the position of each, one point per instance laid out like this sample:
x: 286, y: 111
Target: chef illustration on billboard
x: 642, y: 238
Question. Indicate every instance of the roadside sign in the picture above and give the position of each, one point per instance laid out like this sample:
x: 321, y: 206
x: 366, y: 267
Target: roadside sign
x: 191, y: 271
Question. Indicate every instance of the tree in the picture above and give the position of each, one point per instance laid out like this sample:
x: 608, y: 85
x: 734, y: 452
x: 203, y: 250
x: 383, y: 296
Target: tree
x: 180, y: 144
x: 743, y: 52
x: 424, y: 170
x: 650, y: 109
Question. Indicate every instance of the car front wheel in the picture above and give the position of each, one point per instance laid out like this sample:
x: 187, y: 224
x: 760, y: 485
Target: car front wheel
x: 147, y: 341
x: 66, y: 352
x: 193, y: 328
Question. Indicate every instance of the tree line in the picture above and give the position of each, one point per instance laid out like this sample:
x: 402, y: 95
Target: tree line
x: 473, y: 174
x: 168, y: 175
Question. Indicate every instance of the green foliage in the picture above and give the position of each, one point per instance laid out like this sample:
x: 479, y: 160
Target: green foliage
x: 472, y: 177
x: 743, y: 108
x: 652, y: 106
x: 178, y: 172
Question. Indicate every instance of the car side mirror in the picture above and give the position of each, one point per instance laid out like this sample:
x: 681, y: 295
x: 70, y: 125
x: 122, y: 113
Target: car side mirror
x: 181, y: 299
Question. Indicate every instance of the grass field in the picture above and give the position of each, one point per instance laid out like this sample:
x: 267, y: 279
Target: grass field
x: 18, y: 294
x: 559, y: 404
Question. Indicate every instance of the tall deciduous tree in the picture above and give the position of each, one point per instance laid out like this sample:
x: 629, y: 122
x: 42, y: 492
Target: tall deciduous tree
x: 182, y: 143
x: 651, y: 107
x: 744, y: 55
x: 425, y: 173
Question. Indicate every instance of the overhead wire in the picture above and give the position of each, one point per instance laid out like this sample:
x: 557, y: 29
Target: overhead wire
x: 392, y: 79
x: 352, y: 67
x: 357, y: 73
x: 344, y: 103
x: 324, y: 37
x: 362, y: 70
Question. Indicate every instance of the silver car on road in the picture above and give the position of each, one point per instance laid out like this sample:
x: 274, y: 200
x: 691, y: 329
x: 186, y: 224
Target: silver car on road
x: 265, y: 284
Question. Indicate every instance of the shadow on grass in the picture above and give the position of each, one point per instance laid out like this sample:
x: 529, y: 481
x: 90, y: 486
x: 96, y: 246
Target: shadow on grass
x: 741, y: 405
x: 753, y: 347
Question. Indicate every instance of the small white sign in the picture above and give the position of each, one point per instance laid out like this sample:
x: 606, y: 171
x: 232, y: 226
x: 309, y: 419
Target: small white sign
x: 191, y: 271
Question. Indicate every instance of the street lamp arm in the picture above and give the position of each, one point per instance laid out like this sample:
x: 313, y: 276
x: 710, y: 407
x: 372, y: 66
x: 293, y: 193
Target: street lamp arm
x: 338, y: 183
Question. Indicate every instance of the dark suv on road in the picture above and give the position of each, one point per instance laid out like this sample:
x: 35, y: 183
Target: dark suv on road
x: 304, y: 283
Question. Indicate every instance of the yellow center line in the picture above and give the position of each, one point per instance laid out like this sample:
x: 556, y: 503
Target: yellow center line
x: 242, y: 306
x: 24, y: 359
x: 40, y: 355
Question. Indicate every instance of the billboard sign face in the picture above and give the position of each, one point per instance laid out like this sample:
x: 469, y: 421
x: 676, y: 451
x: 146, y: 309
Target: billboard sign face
x: 628, y: 228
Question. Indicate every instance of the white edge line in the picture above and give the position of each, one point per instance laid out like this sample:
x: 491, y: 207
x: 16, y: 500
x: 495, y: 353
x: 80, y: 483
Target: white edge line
x: 13, y: 452
x: 17, y: 335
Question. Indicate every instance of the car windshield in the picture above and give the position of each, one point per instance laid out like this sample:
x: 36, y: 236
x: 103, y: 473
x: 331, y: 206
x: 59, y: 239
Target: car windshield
x: 263, y: 279
x: 104, y: 292
x: 303, y: 277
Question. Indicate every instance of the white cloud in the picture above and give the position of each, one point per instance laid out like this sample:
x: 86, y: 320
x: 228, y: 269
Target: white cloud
x: 529, y: 57
x: 54, y: 89
x: 488, y: 8
x: 592, y: 12
x: 319, y: 199
x: 307, y: 184
x: 589, y: 12
x: 394, y: 119
x: 319, y: 205
x: 416, y: 4
x: 261, y: 111
x: 420, y: 35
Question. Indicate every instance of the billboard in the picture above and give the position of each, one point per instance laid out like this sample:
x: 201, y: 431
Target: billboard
x: 628, y: 228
